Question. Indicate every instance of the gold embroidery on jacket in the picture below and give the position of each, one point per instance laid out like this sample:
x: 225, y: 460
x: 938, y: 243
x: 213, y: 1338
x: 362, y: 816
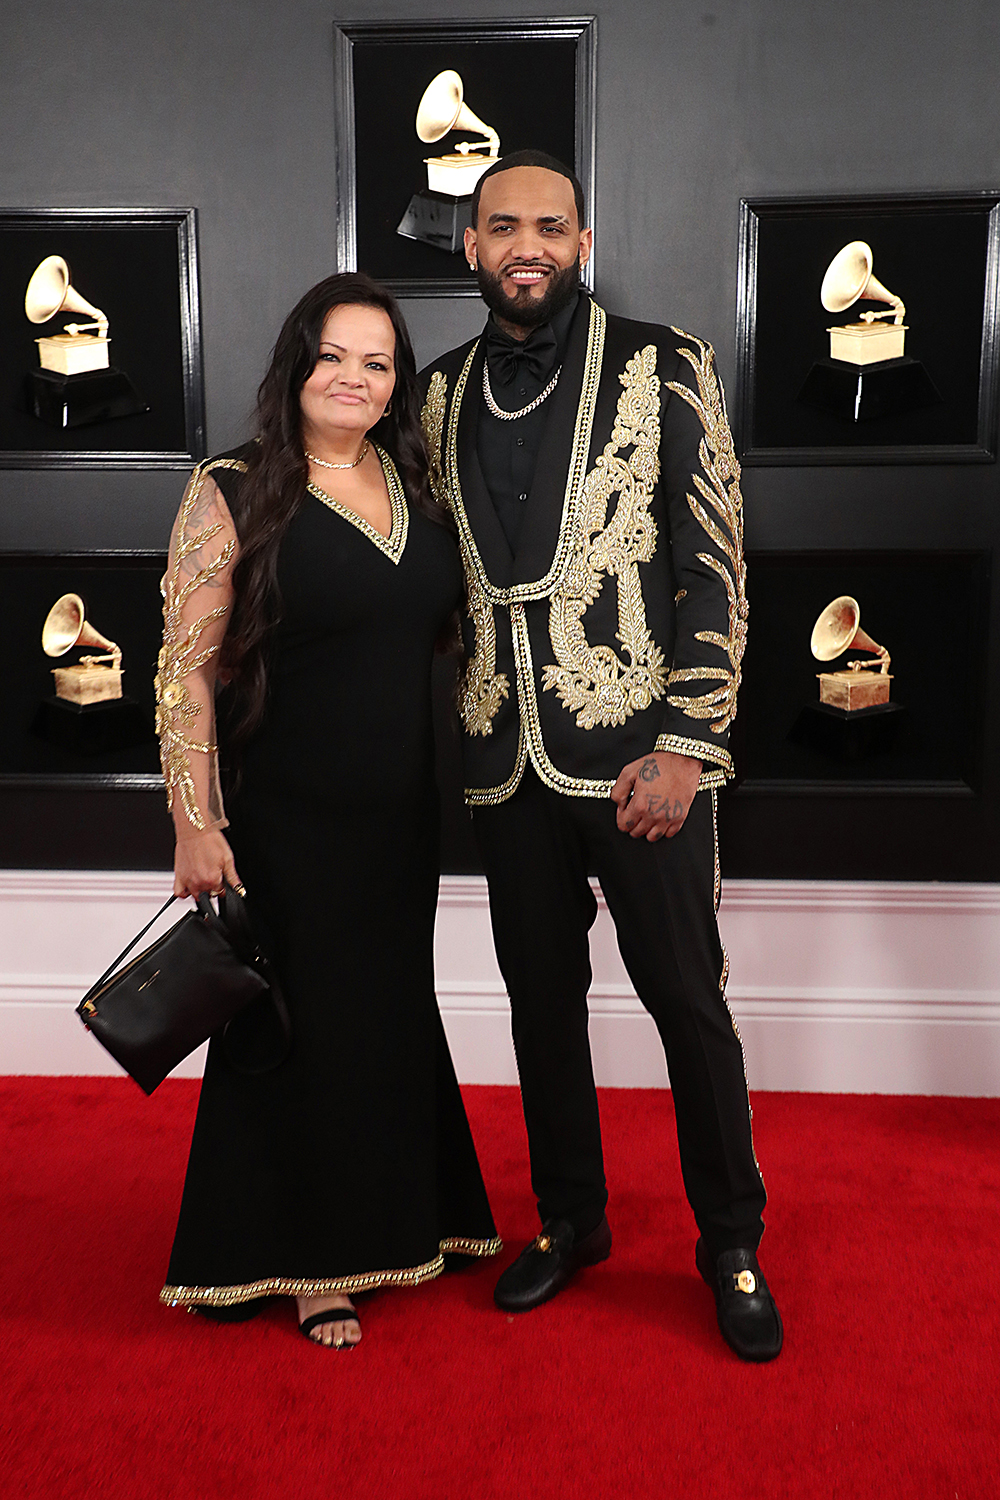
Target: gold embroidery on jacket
x: 703, y: 750
x: 719, y: 487
x: 432, y: 421
x: 573, y: 494
x: 549, y: 774
x: 492, y: 796
x: 594, y: 681
x: 176, y: 712
x: 483, y: 688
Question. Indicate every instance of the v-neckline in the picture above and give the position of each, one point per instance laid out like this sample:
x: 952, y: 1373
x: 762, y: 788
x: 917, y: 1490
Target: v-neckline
x: 393, y: 544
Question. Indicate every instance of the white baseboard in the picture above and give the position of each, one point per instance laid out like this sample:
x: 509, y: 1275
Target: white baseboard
x: 836, y: 986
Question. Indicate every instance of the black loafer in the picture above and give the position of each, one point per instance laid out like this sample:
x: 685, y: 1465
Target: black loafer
x: 749, y: 1321
x: 544, y: 1267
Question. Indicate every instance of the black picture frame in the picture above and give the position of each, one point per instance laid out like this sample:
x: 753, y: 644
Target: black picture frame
x: 931, y: 610
x: 940, y: 252
x: 121, y: 592
x: 140, y: 266
x: 382, y: 69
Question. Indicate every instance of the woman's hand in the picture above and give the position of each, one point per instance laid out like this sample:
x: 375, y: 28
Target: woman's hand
x: 201, y: 862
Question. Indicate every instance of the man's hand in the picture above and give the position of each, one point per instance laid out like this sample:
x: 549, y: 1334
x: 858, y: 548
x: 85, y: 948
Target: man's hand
x: 655, y: 793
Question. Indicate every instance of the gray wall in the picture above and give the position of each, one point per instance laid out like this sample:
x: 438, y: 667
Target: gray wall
x: 228, y: 105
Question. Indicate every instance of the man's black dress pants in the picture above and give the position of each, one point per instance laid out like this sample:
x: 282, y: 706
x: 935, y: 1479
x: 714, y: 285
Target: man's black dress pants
x: 538, y: 849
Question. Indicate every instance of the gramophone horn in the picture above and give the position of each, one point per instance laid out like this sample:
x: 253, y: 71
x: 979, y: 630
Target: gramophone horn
x: 49, y: 292
x: 441, y: 109
x: 838, y: 629
x: 849, y: 279
x: 66, y: 626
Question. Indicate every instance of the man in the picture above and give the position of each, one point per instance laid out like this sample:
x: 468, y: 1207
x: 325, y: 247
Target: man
x: 590, y: 469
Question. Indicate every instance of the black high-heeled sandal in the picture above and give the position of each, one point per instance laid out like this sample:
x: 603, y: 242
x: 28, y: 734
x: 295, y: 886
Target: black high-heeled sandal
x: 330, y: 1315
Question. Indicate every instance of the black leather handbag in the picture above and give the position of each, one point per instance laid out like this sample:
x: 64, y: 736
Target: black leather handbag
x: 206, y: 975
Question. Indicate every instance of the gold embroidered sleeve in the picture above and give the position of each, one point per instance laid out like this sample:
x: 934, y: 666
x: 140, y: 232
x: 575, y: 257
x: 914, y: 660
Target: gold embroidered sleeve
x: 197, y: 596
x: 707, y: 538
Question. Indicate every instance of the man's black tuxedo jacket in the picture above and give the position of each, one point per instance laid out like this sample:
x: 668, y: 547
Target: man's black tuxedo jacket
x: 619, y: 626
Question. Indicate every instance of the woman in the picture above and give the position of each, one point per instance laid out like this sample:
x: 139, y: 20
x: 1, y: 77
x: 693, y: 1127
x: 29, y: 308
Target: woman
x: 312, y: 573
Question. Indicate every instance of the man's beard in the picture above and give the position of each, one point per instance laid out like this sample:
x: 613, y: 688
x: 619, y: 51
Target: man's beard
x: 523, y: 309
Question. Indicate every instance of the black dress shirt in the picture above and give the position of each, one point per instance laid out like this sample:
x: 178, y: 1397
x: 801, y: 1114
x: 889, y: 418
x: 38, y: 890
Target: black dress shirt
x: 508, y: 450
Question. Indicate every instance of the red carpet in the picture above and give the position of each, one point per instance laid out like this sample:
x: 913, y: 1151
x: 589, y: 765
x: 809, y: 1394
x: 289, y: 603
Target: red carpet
x: 882, y: 1249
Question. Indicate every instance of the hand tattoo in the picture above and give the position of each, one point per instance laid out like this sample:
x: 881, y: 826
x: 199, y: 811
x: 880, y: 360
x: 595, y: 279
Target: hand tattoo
x: 649, y: 769
x: 654, y: 803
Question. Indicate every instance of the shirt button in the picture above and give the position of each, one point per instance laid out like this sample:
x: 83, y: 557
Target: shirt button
x: 524, y: 391
x: 523, y: 495
x: 520, y: 442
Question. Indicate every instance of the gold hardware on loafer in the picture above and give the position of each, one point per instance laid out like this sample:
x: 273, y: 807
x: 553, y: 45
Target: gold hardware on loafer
x: 90, y: 1007
x: 542, y: 1242
x: 746, y: 1281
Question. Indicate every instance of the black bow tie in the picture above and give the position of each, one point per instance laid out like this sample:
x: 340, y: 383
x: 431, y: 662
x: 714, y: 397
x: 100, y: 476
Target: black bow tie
x: 510, y: 357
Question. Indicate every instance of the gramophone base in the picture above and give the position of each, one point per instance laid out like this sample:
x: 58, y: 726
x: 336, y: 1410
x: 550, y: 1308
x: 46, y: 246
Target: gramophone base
x: 857, y: 393
x: 80, y: 400
x: 437, y: 219
x: 91, y: 728
x: 848, y: 735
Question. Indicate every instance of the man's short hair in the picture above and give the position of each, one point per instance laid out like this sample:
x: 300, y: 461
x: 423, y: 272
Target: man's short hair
x: 531, y: 159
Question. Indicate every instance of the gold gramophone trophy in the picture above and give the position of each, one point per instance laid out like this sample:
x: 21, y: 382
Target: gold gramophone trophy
x: 440, y: 213
x: 868, y: 374
x: 88, y: 714
x: 837, y: 630
x: 853, y: 719
x: 849, y: 279
x: 91, y: 679
x: 76, y: 384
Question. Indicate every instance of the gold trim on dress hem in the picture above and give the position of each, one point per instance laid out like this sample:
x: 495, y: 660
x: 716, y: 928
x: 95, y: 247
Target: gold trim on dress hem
x: 297, y: 1286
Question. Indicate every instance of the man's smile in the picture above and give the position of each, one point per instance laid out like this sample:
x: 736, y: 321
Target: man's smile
x: 527, y: 275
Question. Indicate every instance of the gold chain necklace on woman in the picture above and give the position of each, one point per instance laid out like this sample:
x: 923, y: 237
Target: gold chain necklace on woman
x: 325, y: 464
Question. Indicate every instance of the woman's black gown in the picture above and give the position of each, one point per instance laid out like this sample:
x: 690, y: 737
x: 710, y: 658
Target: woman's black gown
x: 351, y: 1165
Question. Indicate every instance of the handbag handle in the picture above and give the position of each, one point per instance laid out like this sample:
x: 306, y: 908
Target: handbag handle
x: 138, y: 938
x: 234, y: 916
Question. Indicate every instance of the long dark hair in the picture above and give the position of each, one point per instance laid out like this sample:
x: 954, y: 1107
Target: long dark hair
x: 275, y: 484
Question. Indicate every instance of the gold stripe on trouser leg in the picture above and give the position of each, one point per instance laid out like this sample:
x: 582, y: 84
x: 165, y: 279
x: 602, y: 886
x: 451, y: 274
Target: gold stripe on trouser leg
x: 723, y: 977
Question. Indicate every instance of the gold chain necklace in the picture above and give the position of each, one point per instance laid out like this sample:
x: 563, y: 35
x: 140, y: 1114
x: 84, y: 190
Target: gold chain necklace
x: 324, y: 464
x: 512, y: 416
